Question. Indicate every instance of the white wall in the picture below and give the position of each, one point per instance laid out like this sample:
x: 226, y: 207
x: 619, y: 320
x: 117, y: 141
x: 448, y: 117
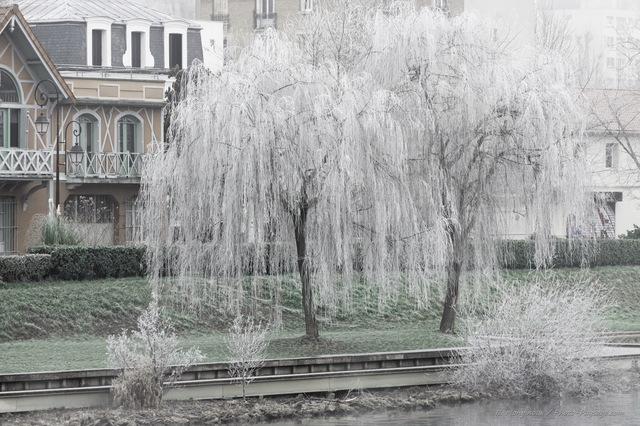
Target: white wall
x: 212, y: 43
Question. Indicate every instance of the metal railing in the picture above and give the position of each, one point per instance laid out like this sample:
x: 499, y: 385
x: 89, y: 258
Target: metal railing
x: 116, y: 72
x: 26, y: 162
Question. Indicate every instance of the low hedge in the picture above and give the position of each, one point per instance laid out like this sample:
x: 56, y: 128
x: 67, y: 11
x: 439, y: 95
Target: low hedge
x: 519, y: 254
x: 80, y: 262
x: 25, y: 267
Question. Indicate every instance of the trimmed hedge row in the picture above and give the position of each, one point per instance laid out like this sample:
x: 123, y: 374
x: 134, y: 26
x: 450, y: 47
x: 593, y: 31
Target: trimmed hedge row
x: 605, y: 252
x: 26, y: 267
x: 80, y: 262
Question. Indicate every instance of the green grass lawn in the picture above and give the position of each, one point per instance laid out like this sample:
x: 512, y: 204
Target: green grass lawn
x: 63, y: 325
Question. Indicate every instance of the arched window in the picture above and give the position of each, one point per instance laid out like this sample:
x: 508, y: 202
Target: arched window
x: 129, y: 134
x: 10, y: 118
x: 88, y: 133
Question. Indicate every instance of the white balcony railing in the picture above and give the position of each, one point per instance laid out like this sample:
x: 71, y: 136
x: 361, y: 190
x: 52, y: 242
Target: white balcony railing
x: 26, y: 162
x: 107, y: 165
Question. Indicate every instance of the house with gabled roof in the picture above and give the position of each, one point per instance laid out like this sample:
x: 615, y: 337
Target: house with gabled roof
x: 96, y: 72
x: 613, y: 128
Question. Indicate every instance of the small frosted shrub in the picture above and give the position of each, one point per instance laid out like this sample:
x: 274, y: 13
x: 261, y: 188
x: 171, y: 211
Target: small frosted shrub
x: 537, y: 340
x: 247, y: 344
x: 150, y: 360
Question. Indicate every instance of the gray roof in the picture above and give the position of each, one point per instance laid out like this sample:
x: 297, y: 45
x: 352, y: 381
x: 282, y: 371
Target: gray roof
x: 78, y: 10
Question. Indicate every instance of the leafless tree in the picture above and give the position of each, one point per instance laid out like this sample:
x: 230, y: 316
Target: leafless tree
x: 247, y: 343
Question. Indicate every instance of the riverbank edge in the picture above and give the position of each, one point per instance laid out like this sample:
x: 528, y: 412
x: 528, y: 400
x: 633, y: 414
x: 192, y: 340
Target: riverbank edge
x: 254, y: 410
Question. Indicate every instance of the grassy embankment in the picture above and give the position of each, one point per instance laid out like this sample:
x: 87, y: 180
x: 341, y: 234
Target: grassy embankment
x: 63, y: 325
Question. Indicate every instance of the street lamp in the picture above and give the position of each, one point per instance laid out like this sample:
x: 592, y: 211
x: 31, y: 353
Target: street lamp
x: 77, y: 153
x: 42, y: 126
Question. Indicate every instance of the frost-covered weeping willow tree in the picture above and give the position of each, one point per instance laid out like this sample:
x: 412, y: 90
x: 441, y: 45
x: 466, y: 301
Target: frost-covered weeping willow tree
x: 278, y: 160
x: 497, y: 131
x: 386, y: 142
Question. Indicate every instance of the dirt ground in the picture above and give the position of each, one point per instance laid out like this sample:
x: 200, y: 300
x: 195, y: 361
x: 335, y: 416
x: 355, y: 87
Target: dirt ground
x: 254, y: 410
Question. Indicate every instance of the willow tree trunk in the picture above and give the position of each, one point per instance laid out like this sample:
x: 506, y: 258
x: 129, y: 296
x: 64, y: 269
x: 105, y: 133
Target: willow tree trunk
x: 454, y: 270
x: 310, y: 322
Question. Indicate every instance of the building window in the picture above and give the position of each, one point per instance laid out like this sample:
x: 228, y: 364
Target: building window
x: 136, y: 49
x: 88, y: 133
x: 220, y: 11
x: 129, y: 134
x: 265, y: 15
x: 442, y: 5
x: 610, y: 63
x: 175, y: 44
x: 99, y: 42
x: 88, y: 140
x: 9, y: 117
x: 621, y: 62
x: 90, y: 208
x: 132, y: 220
x: 175, y: 51
x: 611, y: 156
x: 9, y: 128
x: 306, y: 6
x: 97, y: 47
x: 8, y: 228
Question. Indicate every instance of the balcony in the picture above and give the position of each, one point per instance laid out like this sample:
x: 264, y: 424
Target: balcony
x: 264, y: 20
x: 29, y: 163
x: 125, y: 166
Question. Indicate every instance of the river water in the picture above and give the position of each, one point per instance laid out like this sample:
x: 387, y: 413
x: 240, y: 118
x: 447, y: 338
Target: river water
x: 613, y: 409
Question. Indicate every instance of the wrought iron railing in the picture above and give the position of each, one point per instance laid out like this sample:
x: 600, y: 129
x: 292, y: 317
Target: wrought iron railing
x: 26, y: 162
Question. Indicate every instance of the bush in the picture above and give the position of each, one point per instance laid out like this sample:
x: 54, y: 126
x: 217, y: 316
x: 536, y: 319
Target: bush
x: 540, y: 340
x: 150, y: 360
x: 79, y: 262
x: 633, y: 234
x: 58, y: 231
x: 26, y: 267
x: 247, y: 343
x: 617, y: 253
x: 519, y: 254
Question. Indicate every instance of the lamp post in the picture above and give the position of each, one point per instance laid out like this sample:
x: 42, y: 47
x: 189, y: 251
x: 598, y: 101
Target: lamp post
x: 42, y: 126
x: 76, y: 153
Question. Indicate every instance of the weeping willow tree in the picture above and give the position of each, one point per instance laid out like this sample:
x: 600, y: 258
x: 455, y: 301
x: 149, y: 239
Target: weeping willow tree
x: 278, y: 160
x: 386, y: 142
x: 497, y: 133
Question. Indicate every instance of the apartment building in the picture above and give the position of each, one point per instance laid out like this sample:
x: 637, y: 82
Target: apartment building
x: 243, y: 18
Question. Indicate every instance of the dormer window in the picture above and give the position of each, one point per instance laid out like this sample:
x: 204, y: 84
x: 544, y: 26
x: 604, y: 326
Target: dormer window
x: 136, y: 49
x: 175, y: 44
x: 175, y: 51
x: 99, y: 42
x: 138, y: 53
